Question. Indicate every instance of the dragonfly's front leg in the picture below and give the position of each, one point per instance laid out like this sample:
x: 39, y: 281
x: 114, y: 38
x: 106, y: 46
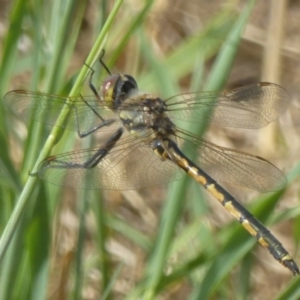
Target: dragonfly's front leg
x: 102, y: 122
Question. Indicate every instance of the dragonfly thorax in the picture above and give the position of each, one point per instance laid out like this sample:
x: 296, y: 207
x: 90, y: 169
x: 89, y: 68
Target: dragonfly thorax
x: 144, y: 115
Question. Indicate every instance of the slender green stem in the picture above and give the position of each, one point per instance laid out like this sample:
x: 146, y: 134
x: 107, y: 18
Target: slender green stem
x: 176, y: 196
x: 52, y: 139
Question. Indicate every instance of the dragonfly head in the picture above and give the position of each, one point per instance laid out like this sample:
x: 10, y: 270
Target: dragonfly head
x: 116, y: 88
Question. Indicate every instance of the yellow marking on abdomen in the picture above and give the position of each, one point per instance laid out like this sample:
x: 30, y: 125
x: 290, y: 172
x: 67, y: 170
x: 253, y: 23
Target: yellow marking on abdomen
x: 286, y: 257
x: 192, y: 171
x: 212, y: 189
x: 228, y: 205
x: 263, y: 242
x: 199, y: 178
x: 249, y: 227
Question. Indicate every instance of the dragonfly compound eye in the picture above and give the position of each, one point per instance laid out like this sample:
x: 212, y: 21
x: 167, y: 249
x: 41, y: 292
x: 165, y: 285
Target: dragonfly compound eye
x: 129, y: 84
x: 117, y: 88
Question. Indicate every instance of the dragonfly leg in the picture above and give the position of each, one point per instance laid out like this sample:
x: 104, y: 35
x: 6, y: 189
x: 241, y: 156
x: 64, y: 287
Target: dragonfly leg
x: 104, y: 150
x: 57, y: 162
x: 94, y: 90
x: 91, y: 85
x: 104, y: 123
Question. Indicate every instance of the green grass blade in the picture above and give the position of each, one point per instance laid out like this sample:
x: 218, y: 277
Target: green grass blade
x: 135, y: 24
x: 292, y: 292
x: 10, y: 48
x: 28, y: 188
x: 176, y: 195
x: 236, y: 247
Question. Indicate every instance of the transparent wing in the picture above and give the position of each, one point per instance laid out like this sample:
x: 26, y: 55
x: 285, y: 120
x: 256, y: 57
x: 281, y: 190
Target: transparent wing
x: 129, y: 165
x: 46, y: 108
x: 251, y: 106
x: 235, y: 167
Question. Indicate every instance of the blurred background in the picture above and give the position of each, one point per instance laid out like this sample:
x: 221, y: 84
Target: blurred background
x: 113, y: 245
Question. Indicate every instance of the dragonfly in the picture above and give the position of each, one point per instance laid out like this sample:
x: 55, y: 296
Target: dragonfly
x: 142, y: 146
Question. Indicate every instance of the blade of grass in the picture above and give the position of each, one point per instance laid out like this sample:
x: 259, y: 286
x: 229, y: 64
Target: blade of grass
x: 162, y: 74
x: 12, y: 264
x: 10, y: 49
x: 36, y: 226
x: 205, y: 43
x: 37, y: 248
x: 174, y: 202
x: 19, y: 10
x: 134, y: 235
x: 292, y: 291
x: 56, y: 64
x: 135, y: 24
x: 105, y: 260
x: 6, y: 166
x: 112, y: 281
x: 28, y: 188
x: 236, y: 247
x: 239, y: 244
x: 79, y: 272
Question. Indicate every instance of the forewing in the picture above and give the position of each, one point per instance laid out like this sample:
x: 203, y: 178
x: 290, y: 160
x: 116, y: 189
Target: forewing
x: 46, y: 108
x: 252, y: 106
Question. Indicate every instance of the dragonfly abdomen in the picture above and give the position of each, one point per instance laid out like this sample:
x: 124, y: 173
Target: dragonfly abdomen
x: 248, y: 221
